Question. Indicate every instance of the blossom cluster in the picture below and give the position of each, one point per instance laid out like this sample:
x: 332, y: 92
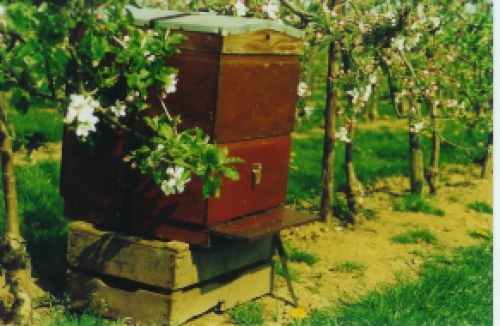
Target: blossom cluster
x: 81, y: 112
x: 176, y: 182
x: 170, y: 85
x: 342, y: 135
x: 303, y: 89
x: 240, y: 9
x: 271, y: 9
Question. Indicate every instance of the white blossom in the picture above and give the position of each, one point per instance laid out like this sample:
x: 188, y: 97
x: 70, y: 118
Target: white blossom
x: 363, y: 28
x: 271, y: 9
x: 119, y: 109
x: 86, y: 127
x: 303, y: 89
x: 308, y: 110
x: 81, y: 111
x: 417, y: 127
x: 342, y: 135
x: 368, y: 91
x: 240, y: 8
x: 391, y: 17
x: 171, y: 83
x: 398, y: 43
x: 327, y: 10
x: 435, y: 21
x: 452, y: 103
x: 176, y: 181
x: 355, y: 95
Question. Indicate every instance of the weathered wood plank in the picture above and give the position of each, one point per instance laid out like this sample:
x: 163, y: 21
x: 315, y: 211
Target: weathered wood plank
x: 258, y: 42
x: 145, y: 306
x: 168, y: 265
x: 262, y: 42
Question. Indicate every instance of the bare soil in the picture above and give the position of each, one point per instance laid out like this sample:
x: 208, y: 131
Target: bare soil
x: 323, y: 285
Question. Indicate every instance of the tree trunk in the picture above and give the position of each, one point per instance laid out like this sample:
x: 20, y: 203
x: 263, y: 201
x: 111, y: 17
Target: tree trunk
x: 15, y: 302
x: 486, y: 171
x: 371, y: 106
x: 416, y: 162
x: 432, y: 170
x: 329, y: 140
x: 355, y: 191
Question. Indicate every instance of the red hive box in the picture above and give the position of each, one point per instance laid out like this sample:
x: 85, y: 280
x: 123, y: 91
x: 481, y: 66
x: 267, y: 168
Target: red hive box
x: 238, y: 82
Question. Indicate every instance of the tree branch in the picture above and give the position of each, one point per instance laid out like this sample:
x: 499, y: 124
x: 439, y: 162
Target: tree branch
x: 305, y: 16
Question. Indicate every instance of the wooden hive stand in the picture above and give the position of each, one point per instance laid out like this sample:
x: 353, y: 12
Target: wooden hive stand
x: 153, y: 281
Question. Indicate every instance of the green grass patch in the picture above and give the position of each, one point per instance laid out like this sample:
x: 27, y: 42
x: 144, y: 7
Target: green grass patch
x: 300, y: 256
x: 45, y: 124
x: 278, y: 270
x: 69, y: 319
x: 378, y: 153
x: 418, y: 236
x: 456, y: 293
x: 249, y: 313
x: 480, y: 234
x: 416, y: 203
x: 350, y: 267
x: 481, y: 207
x: 41, y: 220
x: 453, y: 294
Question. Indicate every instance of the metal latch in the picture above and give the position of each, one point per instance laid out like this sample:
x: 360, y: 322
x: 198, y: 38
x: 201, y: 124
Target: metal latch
x: 257, y: 173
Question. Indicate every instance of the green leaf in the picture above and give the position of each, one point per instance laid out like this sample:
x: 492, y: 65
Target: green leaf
x: 99, y: 46
x: 20, y: 100
x: 211, y: 187
x: 230, y: 172
x: 7, y: 85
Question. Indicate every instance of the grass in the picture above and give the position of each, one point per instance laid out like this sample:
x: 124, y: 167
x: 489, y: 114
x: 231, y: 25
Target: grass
x: 378, y: 153
x: 416, y: 203
x: 36, y: 127
x: 418, y: 236
x: 350, y: 267
x: 278, y: 270
x: 301, y: 256
x: 249, y: 313
x: 480, y: 234
x: 41, y: 219
x: 65, y: 318
x: 294, y: 255
x: 460, y: 293
x: 481, y: 207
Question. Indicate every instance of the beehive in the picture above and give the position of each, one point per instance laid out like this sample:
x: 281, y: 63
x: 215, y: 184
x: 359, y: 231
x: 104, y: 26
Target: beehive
x: 237, y: 81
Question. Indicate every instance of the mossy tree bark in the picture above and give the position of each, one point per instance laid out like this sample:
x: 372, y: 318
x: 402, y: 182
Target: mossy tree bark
x: 415, y: 148
x: 371, y: 112
x: 16, y: 301
x: 416, y: 162
x: 432, y: 169
x: 486, y: 171
x: 355, y: 191
x: 328, y: 162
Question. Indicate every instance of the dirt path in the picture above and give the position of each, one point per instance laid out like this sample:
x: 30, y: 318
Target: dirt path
x: 369, y: 244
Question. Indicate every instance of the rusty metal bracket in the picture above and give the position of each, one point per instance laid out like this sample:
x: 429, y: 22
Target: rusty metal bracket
x: 278, y: 244
x: 257, y: 173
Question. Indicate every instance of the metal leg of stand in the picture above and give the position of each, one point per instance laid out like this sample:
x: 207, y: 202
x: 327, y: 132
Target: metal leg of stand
x: 278, y: 244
